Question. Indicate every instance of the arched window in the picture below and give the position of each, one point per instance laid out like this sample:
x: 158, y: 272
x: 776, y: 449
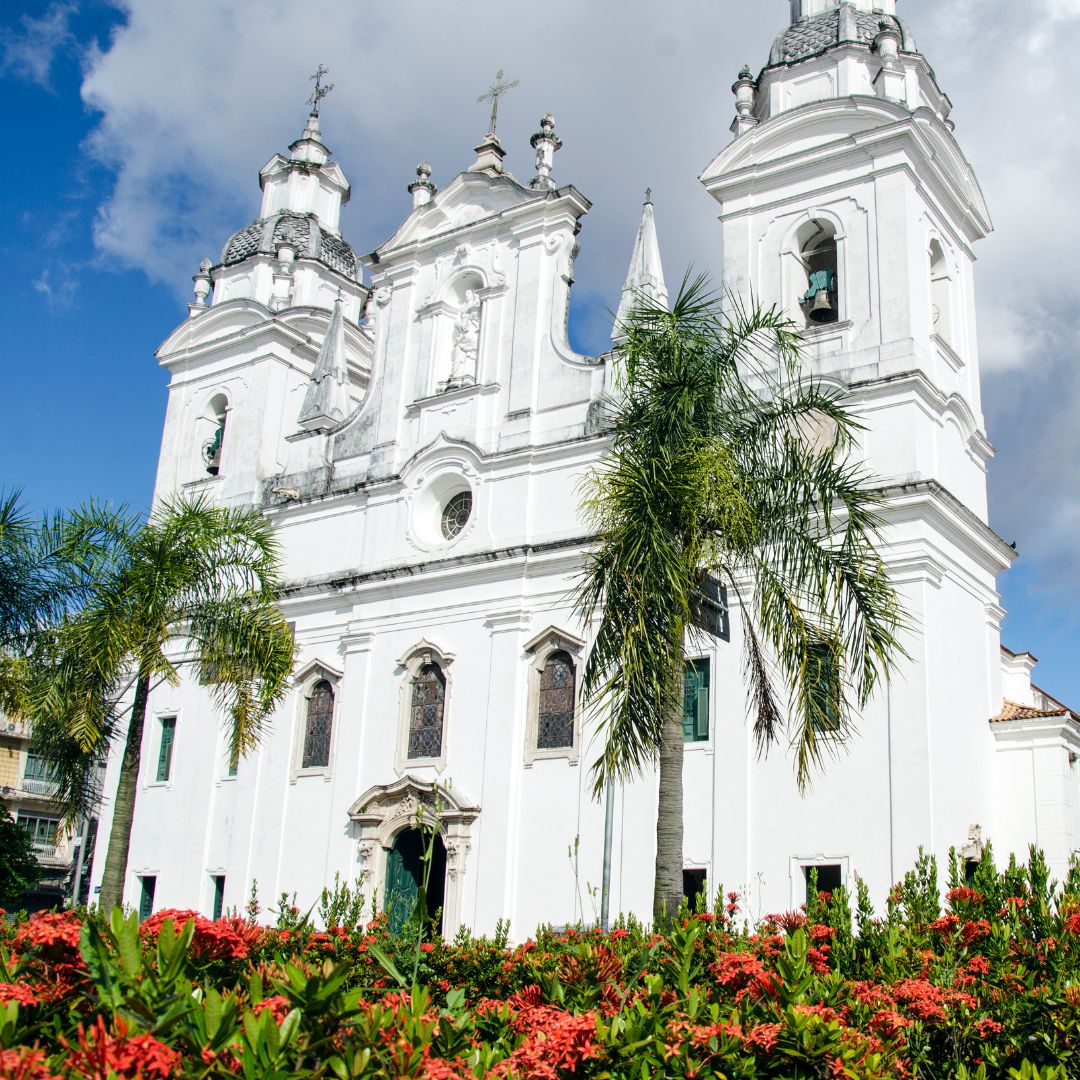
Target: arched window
x: 555, y: 724
x: 319, y: 724
x: 818, y: 254
x: 940, y: 293
x: 426, y: 712
x: 214, y: 432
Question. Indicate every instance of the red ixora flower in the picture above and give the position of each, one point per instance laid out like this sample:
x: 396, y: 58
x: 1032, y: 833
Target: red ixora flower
x: 53, y: 929
x: 277, y: 1005
x: 225, y: 939
x: 117, y: 1055
x: 963, y: 895
x: 20, y: 993
x: 25, y: 1063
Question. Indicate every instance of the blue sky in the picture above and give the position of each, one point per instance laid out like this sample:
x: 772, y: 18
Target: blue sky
x: 138, y: 128
x: 85, y: 397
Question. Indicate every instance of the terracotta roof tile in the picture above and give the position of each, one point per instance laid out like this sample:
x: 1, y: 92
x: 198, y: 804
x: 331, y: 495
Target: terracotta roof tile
x: 1011, y: 710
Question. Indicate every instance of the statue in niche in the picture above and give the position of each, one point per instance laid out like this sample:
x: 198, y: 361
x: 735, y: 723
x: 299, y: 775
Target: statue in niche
x: 466, y: 343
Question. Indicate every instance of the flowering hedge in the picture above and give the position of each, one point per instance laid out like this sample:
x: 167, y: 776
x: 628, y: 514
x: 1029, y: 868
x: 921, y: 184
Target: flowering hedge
x: 988, y: 986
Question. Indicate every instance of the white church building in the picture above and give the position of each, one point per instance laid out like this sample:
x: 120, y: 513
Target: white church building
x: 415, y: 424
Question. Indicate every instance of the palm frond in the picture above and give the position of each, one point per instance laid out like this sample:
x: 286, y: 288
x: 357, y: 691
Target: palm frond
x: 726, y: 457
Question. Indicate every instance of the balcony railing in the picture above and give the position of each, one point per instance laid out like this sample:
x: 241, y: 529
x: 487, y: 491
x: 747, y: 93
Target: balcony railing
x: 43, y: 788
x: 52, y: 854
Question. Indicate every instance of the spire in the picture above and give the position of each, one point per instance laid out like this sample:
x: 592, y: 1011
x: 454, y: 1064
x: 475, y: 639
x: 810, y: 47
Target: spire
x: 645, y: 279
x: 310, y: 147
x: 327, y: 399
x: 307, y: 181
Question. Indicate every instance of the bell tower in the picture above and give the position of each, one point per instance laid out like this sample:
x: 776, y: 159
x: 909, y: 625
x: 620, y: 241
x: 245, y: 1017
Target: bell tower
x: 846, y: 199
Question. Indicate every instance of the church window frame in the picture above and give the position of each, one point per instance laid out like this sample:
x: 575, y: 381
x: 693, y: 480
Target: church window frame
x: 800, y: 867
x: 541, y: 652
x: 309, y: 681
x: 796, y: 268
x: 434, y: 497
x: 424, y: 664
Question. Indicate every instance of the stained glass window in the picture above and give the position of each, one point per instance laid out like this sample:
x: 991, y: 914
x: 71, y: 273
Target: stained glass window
x: 426, y: 714
x: 456, y: 514
x: 320, y: 718
x: 555, y: 728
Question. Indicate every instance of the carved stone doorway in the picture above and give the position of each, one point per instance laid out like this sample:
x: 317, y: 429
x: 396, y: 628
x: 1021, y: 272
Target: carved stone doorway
x: 410, y: 805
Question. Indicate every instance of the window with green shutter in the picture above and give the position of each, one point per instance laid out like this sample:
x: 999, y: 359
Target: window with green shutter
x: 825, y: 689
x: 168, y: 735
x: 147, y: 886
x: 696, y: 701
x: 219, y: 895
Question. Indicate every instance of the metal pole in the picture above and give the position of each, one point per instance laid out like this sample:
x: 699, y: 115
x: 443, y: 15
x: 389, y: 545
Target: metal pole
x: 605, y: 889
x: 77, y: 886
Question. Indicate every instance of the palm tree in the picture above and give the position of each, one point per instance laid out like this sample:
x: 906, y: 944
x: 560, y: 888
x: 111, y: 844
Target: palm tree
x: 37, y: 586
x: 726, y: 461
x: 197, y: 585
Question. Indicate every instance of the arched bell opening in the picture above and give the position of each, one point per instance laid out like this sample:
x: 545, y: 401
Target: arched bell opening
x: 407, y: 869
x: 817, y: 251
x: 940, y: 293
x: 214, y: 418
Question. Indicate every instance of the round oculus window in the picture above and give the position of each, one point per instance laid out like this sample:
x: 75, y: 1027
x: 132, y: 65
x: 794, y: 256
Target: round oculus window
x: 456, y: 514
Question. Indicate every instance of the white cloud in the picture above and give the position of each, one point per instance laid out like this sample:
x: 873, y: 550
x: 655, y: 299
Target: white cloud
x: 58, y: 285
x: 28, y: 49
x: 193, y: 102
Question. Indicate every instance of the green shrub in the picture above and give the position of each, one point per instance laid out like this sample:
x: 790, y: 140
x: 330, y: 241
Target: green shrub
x: 979, y: 985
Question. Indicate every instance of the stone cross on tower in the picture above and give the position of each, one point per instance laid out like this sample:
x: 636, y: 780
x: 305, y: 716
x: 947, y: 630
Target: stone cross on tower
x: 320, y: 91
x: 497, y: 90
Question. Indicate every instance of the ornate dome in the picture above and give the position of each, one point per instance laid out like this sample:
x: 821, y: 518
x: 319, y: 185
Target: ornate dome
x: 303, y: 231
x: 813, y: 36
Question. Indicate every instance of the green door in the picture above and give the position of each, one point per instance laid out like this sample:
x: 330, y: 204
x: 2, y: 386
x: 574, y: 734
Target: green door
x: 403, y: 878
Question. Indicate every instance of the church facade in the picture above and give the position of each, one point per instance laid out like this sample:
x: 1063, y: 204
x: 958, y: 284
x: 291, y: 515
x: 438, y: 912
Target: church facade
x: 416, y: 425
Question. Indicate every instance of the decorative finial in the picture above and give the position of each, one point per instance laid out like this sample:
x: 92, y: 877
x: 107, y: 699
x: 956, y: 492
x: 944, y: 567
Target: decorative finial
x: 648, y: 196
x: 320, y: 91
x: 422, y: 189
x: 744, y: 90
x: 203, y: 284
x: 545, y: 142
x: 496, y: 91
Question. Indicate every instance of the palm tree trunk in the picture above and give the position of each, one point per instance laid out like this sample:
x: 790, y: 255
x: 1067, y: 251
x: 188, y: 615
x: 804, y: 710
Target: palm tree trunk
x: 112, y: 879
x: 668, y: 887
